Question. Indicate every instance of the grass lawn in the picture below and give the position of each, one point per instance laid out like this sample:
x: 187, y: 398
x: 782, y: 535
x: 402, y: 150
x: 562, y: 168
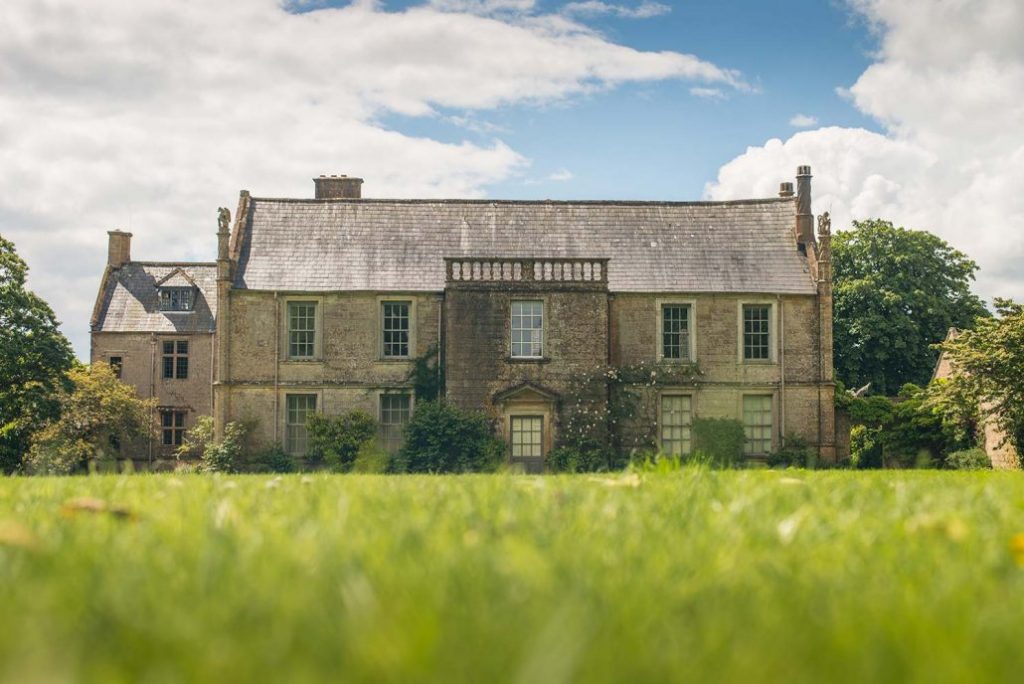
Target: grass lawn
x: 732, y: 576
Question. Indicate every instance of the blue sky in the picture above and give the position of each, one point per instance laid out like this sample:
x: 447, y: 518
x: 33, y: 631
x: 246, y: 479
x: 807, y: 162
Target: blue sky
x: 147, y: 116
x: 657, y: 140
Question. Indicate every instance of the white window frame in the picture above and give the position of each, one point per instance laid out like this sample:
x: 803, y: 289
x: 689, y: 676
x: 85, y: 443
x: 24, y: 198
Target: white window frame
x: 289, y: 426
x: 686, y: 426
x: 411, y: 303
x: 380, y: 413
x: 318, y: 329
x: 747, y: 452
x: 772, y: 331
x: 512, y: 328
x: 691, y: 349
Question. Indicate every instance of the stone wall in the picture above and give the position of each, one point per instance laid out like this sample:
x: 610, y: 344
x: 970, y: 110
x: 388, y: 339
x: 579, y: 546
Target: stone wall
x: 142, y: 367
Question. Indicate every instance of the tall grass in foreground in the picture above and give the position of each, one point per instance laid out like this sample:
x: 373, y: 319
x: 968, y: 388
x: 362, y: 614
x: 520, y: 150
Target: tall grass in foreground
x: 703, y: 575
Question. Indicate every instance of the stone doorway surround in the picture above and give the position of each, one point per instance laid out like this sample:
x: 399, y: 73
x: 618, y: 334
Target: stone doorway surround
x: 527, y: 400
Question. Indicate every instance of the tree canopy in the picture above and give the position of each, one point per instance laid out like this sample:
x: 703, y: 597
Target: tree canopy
x: 96, y: 415
x: 896, y: 294
x: 989, y: 364
x: 34, y: 357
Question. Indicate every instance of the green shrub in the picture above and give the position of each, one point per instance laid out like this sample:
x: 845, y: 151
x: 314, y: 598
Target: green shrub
x: 795, y: 452
x: 225, y: 456
x: 194, y: 443
x: 579, y: 459
x: 865, y: 449
x: 718, y: 440
x: 442, y: 438
x: 271, y: 459
x: 969, y: 459
x: 336, y: 440
x: 372, y: 458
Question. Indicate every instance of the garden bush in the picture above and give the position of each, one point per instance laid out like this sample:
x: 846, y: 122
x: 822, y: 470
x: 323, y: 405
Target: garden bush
x: 336, y: 440
x: 579, y: 459
x: 225, y: 456
x: 272, y: 459
x: 442, y: 438
x: 795, y: 452
x: 719, y: 440
x: 968, y: 459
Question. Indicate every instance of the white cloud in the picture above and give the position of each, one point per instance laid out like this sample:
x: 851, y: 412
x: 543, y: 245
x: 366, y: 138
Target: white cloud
x: 149, y: 115
x: 803, y: 121
x: 948, y: 88
x: 561, y: 175
x: 590, y: 8
x: 708, y: 93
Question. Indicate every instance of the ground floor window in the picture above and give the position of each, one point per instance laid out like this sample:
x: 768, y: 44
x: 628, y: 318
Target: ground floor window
x: 527, y: 436
x: 757, y: 423
x: 298, y: 408
x: 172, y: 427
x: 676, y: 418
x: 394, y: 416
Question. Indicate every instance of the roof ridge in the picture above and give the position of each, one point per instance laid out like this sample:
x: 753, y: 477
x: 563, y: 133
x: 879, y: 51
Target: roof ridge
x: 212, y: 264
x: 600, y: 203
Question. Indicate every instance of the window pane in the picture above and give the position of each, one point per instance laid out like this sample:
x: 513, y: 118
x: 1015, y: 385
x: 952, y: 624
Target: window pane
x: 168, y: 347
x: 527, y: 319
x: 756, y: 333
x: 301, y: 329
x: 168, y: 367
x: 396, y: 328
x: 394, y: 415
x: 757, y: 424
x: 182, y: 372
x: 527, y: 436
x: 676, y: 418
x: 297, y: 409
x: 675, y: 332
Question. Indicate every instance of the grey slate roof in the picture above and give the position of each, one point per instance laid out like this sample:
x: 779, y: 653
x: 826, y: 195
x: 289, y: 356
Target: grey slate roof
x: 369, y: 244
x: 131, y: 301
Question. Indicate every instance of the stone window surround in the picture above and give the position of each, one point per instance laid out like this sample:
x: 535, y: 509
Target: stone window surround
x: 318, y: 334
x: 176, y: 357
x: 544, y: 328
x: 381, y: 301
x: 660, y: 303
x: 773, y: 337
x: 764, y: 391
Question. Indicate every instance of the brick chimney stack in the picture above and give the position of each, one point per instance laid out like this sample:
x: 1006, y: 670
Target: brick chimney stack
x: 804, y: 217
x: 338, y: 187
x: 119, y: 248
x: 785, y: 189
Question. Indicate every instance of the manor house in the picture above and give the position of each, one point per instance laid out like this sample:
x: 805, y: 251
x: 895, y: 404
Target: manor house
x: 527, y: 310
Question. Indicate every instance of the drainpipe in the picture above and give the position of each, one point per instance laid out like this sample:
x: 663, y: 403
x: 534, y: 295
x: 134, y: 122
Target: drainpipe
x: 782, y: 370
x: 277, y: 364
x: 152, y: 393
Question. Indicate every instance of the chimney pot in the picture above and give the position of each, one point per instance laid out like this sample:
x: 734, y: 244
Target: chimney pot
x: 119, y: 248
x: 338, y: 187
x: 803, y: 171
x: 785, y: 189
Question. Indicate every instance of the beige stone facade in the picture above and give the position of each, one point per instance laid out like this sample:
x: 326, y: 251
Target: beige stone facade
x: 324, y: 305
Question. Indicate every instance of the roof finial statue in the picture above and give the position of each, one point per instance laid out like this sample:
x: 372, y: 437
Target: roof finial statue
x: 825, y: 224
x: 223, y: 219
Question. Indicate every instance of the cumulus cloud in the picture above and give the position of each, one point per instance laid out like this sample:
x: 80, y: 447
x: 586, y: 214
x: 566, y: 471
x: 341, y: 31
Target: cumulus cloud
x: 645, y: 10
x: 947, y: 87
x: 708, y: 93
x: 803, y: 121
x: 149, y: 115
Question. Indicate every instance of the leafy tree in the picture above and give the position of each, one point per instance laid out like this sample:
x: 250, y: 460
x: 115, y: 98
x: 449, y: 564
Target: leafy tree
x: 897, y: 292
x: 989, y: 361
x: 442, y: 438
x: 96, y: 415
x: 34, y: 357
x: 336, y: 440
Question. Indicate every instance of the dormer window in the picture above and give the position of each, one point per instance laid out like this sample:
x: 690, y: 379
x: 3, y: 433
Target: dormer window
x: 176, y: 298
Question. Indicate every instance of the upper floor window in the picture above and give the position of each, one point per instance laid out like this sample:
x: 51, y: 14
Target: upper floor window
x: 172, y: 427
x: 176, y: 298
x: 675, y: 332
x: 301, y: 330
x: 527, y: 329
x: 395, y: 320
x: 757, y: 332
x: 116, y: 364
x: 175, y: 359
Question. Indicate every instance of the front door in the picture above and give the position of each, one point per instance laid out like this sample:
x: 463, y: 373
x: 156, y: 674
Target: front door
x: 526, y: 435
